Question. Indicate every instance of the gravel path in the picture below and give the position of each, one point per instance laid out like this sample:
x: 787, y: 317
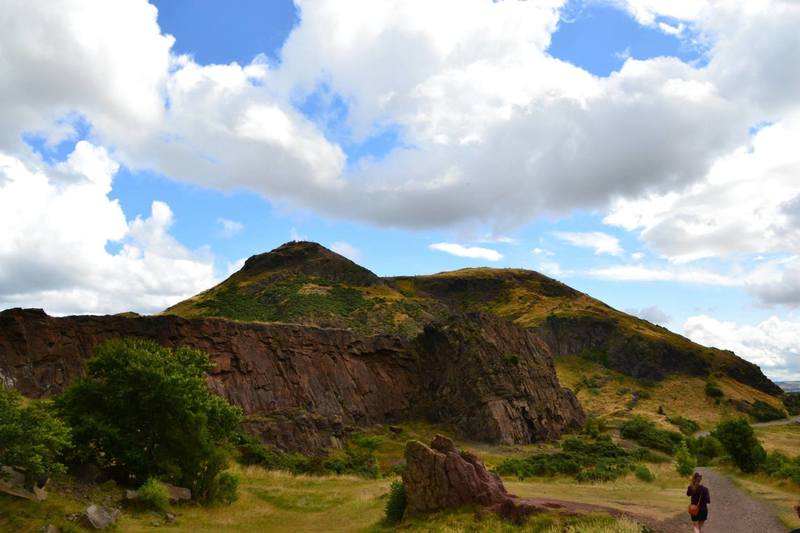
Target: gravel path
x: 732, y: 510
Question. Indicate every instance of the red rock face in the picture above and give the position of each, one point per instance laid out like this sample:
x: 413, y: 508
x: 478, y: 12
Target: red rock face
x: 303, y: 388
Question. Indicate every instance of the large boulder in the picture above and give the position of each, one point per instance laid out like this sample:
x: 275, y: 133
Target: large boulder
x: 101, y: 517
x: 441, y: 477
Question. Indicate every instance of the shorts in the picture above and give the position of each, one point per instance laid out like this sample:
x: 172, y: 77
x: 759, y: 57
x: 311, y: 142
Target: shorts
x: 702, y: 516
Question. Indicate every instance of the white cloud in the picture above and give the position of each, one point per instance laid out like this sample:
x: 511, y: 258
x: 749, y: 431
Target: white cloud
x: 550, y: 268
x: 295, y: 235
x: 637, y: 256
x: 682, y: 275
x: 652, y: 314
x: 57, y: 222
x: 229, y: 228
x: 472, y: 252
x: 773, y: 344
x: 601, y: 243
x: 541, y: 251
x: 346, y: 249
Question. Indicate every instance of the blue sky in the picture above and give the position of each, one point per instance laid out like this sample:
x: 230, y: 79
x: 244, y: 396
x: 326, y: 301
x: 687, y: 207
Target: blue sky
x: 613, y: 144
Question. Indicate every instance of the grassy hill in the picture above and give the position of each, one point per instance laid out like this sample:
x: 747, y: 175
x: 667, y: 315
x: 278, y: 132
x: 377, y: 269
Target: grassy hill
x: 303, y: 282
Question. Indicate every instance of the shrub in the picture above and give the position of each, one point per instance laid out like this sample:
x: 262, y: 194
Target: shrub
x: 685, y: 425
x: 713, y: 391
x: 740, y: 443
x: 154, y: 495
x: 764, y: 412
x: 584, y: 459
x: 705, y: 449
x: 594, y: 427
x: 396, y: 503
x: 225, y: 489
x: 791, y: 400
x: 647, y: 434
x: 511, y: 359
x: 31, y: 437
x: 145, y: 411
x: 685, y: 463
x: 643, y: 473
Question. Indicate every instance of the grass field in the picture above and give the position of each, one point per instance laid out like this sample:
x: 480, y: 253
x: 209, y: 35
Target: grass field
x: 784, y: 439
x: 609, y: 394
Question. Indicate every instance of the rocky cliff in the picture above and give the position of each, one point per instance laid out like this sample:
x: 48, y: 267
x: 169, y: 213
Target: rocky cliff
x: 303, y: 388
x: 305, y: 283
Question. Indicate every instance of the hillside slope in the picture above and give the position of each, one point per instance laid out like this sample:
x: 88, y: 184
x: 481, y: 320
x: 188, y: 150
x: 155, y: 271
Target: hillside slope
x: 303, y: 282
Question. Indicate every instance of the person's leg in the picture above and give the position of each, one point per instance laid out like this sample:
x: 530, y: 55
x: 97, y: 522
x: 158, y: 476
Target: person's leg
x: 700, y: 526
x: 696, y: 527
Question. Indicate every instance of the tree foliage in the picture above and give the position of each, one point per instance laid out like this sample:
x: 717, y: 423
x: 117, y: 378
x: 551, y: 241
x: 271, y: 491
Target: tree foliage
x: 685, y: 462
x: 145, y: 411
x: 31, y: 437
x: 740, y: 442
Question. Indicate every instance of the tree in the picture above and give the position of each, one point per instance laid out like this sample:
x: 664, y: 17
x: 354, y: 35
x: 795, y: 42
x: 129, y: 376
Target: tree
x: 31, y: 438
x: 685, y: 462
x: 145, y: 411
x: 740, y: 442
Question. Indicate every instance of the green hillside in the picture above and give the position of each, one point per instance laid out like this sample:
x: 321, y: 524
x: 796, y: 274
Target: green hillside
x: 303, y: 282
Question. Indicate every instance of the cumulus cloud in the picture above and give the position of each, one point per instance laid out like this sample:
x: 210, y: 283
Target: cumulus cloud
x: 471, y: 252
x: 229, y: 228
x: 346, y: 249
x: 682, y: 275
x: 494, y: 130
x: 57, y: 223
x: 652, y: 314
x: 773, y: 344
x: 601, y: 243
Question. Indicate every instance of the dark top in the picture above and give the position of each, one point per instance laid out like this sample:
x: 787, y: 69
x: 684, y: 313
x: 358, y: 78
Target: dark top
x: 704, y: 501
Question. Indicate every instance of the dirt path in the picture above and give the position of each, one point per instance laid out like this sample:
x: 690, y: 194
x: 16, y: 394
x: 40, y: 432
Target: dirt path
x: 732, y: 510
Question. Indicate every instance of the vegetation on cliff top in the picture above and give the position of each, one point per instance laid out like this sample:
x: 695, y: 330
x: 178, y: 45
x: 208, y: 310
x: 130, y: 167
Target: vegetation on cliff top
x: 305, y: 283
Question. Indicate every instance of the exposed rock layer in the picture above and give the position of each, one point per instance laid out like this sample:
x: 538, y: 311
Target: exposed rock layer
x: 441, y: 477
x: 303, y: 387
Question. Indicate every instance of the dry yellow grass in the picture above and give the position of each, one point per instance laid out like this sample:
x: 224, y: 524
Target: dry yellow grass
x: 783, y: 494
x: 784, y: 439
x: 679, y: 395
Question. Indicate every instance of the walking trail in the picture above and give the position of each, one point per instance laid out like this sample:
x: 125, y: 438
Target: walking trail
x: 780, y: 422
x: 732, y: 510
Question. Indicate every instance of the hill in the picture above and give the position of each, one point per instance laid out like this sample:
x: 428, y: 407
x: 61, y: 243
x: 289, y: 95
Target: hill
x: 305, y: 283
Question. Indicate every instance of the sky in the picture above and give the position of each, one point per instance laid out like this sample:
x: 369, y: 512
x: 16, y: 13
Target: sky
x: 642, y: 151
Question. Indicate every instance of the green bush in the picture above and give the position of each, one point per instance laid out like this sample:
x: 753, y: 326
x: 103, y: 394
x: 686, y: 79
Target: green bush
x: 396, y: 503
x: 144, y: 410
x: 791, y: 400
x: 643, y: 473
x: 685, y: 462
x: 594, y: 427
x: 685, y: 425
x: 31, y: 437
x: 225, y: 489
x: 740, y: 443
x: 705, y: 449
x: 713, y: 391
x: 764, y: 412
x: 357, y: 459
x: 647, y: 434
x: 153, y: 495
x: 584, y: 459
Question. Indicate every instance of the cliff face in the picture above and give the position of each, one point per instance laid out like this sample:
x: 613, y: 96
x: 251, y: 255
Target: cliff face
x: 305, y: 283
x: 303, y: 388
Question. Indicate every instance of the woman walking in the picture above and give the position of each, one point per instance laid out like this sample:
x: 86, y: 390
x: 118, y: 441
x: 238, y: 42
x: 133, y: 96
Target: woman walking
x: 700, y: 498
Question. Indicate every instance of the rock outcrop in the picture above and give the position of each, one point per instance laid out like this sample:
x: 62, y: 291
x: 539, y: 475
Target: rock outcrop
x: 303, y: 388
x: 441, y: 477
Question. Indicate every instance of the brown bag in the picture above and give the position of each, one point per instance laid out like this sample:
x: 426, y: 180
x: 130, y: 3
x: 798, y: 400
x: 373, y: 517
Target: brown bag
x: 694, y: 510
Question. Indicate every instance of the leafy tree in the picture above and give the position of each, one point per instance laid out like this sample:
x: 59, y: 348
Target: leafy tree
x: 740, y: 442
x: 685, y: 462
x: 145, y: 411
x: 31, y: 438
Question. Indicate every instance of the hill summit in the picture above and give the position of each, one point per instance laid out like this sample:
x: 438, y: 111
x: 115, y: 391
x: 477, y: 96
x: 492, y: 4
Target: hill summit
x: 305, y: 283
